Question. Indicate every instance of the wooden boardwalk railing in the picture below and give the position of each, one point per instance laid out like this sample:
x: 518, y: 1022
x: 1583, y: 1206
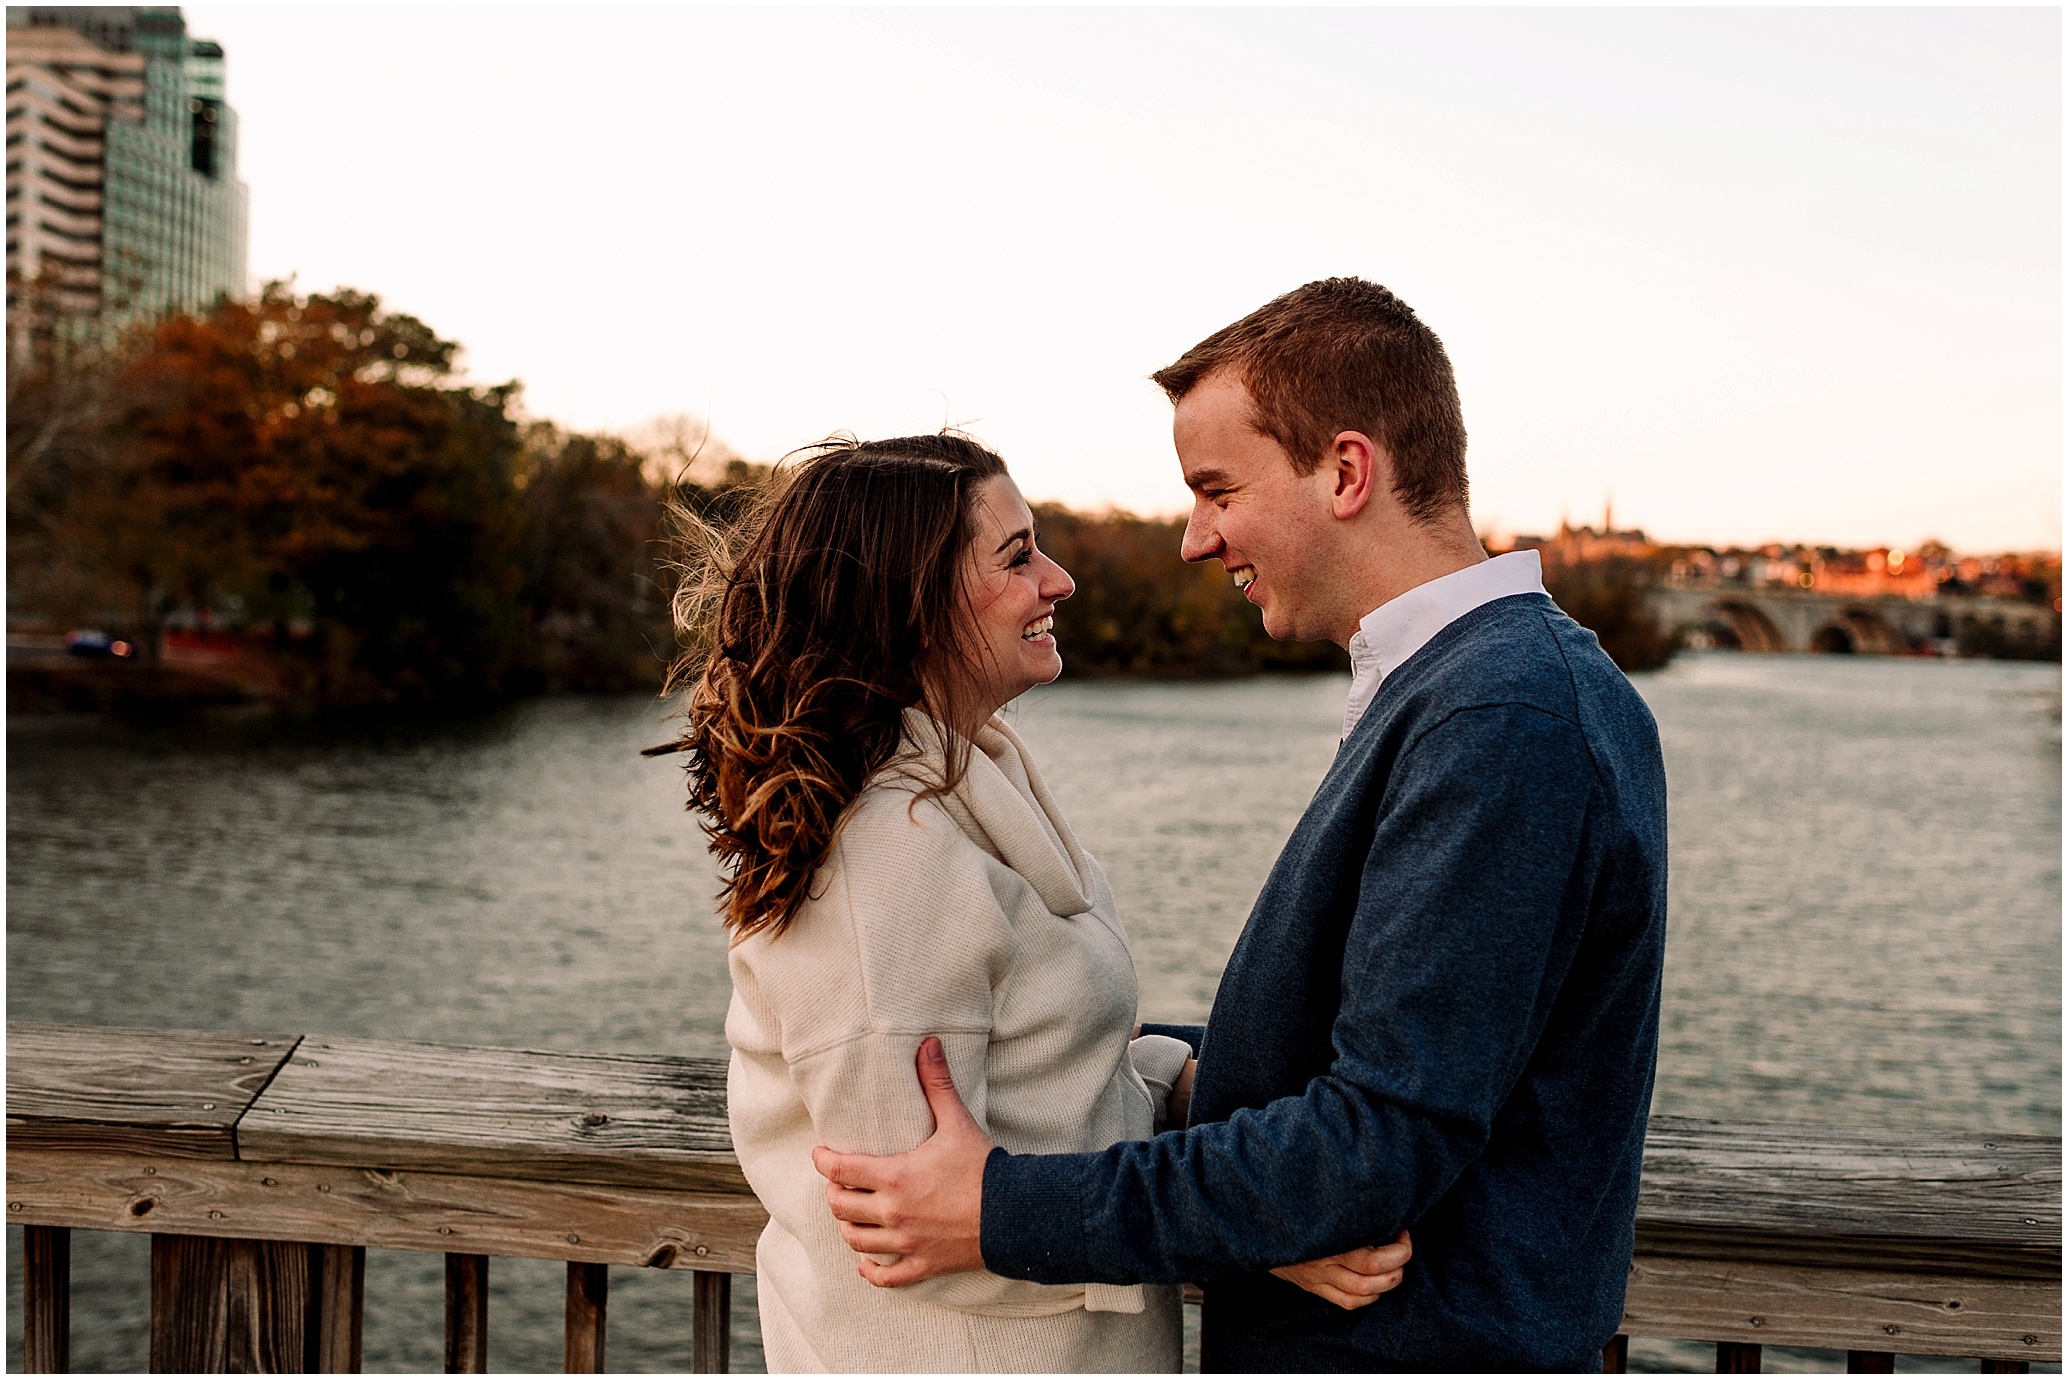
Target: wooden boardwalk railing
x: 264, y: 1165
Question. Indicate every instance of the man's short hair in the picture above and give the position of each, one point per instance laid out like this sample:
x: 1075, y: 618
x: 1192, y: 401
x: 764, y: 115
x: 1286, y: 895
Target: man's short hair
x: 1341, y: 355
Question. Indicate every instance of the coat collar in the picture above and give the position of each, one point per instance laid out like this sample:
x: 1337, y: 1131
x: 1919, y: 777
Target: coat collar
x: 1004, y: 807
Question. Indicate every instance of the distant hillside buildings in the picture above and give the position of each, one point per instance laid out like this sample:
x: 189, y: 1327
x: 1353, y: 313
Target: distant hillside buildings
x: 1928, y: 572
x: 122, y: 193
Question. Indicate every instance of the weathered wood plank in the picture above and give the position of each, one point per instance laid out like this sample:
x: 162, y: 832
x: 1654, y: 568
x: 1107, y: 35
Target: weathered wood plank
x: 649, y: 1120
x: 588, y: 1309
x: 1825, y: 1237
x: 466, y: 1315
x: 47, y: 1300
x: 710, y: 1350
x: 340, y: 1309
x: 225, y: 1305
x: 600, y: 1223
x: 1823, y: 1195
x: 1863, y: 1310
x: 165, y: 1092
x: 1739, y: 1358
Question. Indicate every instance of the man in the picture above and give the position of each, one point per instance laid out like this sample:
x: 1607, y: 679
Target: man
x: 1443, y: 1012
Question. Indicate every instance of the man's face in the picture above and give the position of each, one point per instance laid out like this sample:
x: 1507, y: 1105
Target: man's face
x: 1270, y: 528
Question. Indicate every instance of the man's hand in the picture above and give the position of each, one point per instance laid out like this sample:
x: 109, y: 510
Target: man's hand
x: 1353, y: 1279
x: 924, y: 1206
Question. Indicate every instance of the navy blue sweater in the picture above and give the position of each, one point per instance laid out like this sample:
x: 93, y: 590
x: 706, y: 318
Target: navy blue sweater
x: 1442, y: 1015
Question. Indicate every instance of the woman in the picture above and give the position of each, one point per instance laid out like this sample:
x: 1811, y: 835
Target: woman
x: 896, y: 869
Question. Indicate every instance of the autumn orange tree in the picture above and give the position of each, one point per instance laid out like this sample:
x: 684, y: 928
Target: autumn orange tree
x: 316, y: 460
x: 313, y: 455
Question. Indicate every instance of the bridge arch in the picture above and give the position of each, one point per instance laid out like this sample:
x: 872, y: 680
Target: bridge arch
x: 1740, y: 623
x: 1859, y: 630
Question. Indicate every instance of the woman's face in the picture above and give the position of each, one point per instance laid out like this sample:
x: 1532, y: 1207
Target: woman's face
x: 1013, y: 591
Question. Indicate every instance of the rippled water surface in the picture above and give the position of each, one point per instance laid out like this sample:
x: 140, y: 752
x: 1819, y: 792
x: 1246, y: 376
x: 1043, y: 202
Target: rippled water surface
x: 1866, y: 904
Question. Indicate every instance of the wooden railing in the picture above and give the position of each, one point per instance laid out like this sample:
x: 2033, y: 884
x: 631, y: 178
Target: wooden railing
x: 264, y: 1166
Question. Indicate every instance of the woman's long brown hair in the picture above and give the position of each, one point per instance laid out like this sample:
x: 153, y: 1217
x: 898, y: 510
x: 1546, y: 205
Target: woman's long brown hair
x: 841, y: 609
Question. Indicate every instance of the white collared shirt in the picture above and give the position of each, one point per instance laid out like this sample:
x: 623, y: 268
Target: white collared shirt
x: 1397, y: 629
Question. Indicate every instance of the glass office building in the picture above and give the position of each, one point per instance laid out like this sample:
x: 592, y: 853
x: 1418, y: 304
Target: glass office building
x: 122, y: 190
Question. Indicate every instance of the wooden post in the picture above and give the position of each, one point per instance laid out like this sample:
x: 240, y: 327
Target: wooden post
x: 1737, y: 1358
x: 466, y: 1314
x: 46, y: 1300
x: 1994, y: 1367
x: 1615, y: 1357
x: 588, y: 1299
x: 1870, y: 1363
x: 711, y: 1323
x: 340, y: 1309
x: 223, y: 1304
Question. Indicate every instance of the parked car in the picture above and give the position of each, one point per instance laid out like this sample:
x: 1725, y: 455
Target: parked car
x: 93, y: 642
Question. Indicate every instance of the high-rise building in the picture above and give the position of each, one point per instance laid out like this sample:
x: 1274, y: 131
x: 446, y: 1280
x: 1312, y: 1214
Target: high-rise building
x: 122, y: 191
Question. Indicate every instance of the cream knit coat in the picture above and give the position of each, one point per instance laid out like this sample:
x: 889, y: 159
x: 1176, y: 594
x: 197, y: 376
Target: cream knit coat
x: 976, y: 917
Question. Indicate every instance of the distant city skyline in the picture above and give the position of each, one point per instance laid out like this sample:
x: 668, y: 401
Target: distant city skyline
x: 1763, y: 275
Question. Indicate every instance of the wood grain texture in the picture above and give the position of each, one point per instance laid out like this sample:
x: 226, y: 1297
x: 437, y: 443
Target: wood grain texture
x: 47, y: 1300
x: 588, y: 1309
x: 225, y: 1305
x: 1875, y: 1199
x: 1747, y: 1234
x: 1863, y: 1310
x: 167, y: 1092
x: 710, y: 1350
x: 340, y: 1309
x: 648, y: 1120
x: 600, y: 1223
x: 1739, y: 1358
x: 466, y: 1315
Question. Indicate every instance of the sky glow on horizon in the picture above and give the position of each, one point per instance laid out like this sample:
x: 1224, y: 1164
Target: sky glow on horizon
x: 1764, y: 275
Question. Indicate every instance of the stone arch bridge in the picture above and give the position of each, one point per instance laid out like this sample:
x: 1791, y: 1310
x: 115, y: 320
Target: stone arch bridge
x: 1764, y: 619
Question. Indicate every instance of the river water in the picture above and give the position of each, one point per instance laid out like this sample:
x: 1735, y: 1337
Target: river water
x: 1866, y: 906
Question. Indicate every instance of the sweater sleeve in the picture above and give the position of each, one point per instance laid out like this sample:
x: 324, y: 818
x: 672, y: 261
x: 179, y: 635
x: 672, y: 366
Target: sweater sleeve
x: 1160, y: 1060
x: 927, y: 942
x: 1192, y: 1035
x: 1454, y: 954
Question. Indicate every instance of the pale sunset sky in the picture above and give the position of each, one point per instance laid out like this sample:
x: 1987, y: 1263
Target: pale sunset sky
x: 1773, y: 274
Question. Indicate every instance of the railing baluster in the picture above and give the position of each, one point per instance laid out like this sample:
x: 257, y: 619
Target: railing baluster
x: 1870, y: 1363
x: 47, y: 1300
x: 711, y: 1323
x: 466, y: 1314
x: 1737, y: 1358
x: 340, y: 1309
x: 1615, y: 1357
x: 223, y: 1304
x: 1994, y: 1367
x: 588, y: 1300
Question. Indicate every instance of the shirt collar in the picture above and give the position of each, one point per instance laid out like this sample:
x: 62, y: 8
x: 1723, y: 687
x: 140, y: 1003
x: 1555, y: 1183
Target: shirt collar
x: 1397, y: 629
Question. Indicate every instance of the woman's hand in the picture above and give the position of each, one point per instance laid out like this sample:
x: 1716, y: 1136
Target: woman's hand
x: 1178, y: 1106
x: 1354, y: 1278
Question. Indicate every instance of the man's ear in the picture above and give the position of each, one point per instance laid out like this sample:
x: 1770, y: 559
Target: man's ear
x: 1359, y: 468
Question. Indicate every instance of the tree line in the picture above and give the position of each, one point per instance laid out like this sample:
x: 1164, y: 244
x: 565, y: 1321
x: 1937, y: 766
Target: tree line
x: 307, y: 469
x: 309, y: 474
